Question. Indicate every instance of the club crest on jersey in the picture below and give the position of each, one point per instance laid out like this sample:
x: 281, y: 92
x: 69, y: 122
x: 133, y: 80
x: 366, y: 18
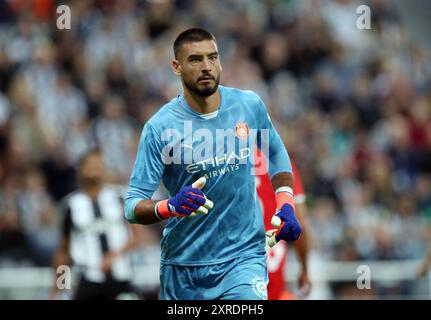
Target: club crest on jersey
x: 258, y: 284
x: 241, y: 130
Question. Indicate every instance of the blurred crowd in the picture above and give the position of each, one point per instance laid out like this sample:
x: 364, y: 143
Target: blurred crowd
x: 353, y: 107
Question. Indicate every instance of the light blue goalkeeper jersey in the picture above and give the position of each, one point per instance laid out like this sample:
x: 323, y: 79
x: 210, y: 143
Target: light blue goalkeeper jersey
x: 179, y: 145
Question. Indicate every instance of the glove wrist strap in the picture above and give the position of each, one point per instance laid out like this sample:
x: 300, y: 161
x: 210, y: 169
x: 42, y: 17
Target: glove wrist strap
x: 284, y: 195
x: 161, y: 210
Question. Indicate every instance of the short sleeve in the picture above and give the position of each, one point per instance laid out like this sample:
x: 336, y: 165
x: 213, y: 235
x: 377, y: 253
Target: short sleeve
x: 269, y: 141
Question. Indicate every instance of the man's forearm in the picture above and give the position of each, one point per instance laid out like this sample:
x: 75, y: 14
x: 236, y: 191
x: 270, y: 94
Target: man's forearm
x: 282, y: 179
x: 302, y: 245
x: 144, y: 212
x: 61, y: 258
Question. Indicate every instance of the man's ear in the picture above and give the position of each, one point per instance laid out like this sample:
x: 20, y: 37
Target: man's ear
x: 176, y: 67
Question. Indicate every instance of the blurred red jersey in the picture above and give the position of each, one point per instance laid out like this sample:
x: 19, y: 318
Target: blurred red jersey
x: 278, y: 254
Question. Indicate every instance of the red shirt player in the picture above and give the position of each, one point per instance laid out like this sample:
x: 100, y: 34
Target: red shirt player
x: 278, y: 254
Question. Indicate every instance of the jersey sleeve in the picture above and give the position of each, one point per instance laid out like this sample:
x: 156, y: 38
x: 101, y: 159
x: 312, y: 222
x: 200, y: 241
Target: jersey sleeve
x: 269, y: 141
x: 146, y: 173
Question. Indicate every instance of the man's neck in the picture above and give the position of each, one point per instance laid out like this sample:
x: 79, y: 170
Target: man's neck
x: 92, y: 190
x: 203, y: 104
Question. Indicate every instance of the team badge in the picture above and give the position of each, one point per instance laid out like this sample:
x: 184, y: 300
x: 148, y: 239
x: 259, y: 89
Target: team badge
x: 258, y: 285
x: 242, y: 130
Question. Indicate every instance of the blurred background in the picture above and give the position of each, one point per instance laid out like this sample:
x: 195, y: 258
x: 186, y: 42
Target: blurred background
x: 353, y: 106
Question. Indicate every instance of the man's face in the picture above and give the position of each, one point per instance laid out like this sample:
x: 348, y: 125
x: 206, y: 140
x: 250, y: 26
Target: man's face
x: 92, y: 169
x: 199, y: 66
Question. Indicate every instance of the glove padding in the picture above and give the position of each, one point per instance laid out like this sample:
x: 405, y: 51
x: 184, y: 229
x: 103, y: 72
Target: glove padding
x: 189, y: 201
x: 288, y: 227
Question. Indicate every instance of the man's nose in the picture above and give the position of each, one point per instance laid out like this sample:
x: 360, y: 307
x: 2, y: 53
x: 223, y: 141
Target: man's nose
x: 206, y: 65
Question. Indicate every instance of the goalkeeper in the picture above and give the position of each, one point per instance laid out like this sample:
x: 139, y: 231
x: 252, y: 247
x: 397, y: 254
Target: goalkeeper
x: 213, y: 244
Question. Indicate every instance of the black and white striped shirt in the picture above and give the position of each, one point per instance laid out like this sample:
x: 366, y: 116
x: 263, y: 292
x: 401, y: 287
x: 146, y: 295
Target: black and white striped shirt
x: 95, y: 228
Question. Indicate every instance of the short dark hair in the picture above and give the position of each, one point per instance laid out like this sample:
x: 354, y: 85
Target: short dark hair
x: 191, y: 35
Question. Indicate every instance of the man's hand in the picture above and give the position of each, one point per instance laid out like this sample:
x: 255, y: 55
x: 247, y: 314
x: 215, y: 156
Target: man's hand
x: 286, y: 224
x: 304, y: 285
x: 189, y: 201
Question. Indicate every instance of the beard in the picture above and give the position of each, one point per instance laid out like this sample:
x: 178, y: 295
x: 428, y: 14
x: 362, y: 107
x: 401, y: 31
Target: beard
x: 90, y: 179
x: 204, y: 91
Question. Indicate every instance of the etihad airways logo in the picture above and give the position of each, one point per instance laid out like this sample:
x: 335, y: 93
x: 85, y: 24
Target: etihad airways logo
x: 204, y: 149
x: 209, y: 164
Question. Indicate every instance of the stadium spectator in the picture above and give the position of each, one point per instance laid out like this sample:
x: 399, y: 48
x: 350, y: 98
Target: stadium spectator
x: 95, y: 237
